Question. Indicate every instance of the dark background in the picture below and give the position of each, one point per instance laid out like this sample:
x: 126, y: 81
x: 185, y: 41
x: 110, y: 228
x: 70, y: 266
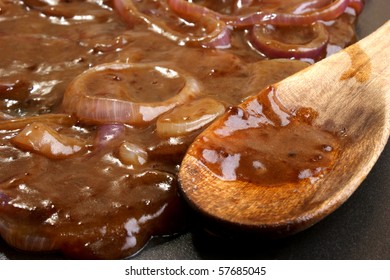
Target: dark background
x: 359, y: 229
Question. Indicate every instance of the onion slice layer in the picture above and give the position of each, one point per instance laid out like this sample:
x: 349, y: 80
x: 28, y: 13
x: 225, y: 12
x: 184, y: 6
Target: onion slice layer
x: 91, y: 101
x: 329, y: 12
x: 274, y: 43
x: 217, y: 35
x: 189, y: 117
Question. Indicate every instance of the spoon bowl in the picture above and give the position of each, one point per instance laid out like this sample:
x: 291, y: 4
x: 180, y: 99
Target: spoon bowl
x: 351, y: 93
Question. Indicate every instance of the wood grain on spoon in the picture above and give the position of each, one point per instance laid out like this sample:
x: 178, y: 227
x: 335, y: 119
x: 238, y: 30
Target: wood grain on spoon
x: 350, y: 91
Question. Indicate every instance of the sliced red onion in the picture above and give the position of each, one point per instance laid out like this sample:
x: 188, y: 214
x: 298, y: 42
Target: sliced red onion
x: 221, y: 40
x: 108, y: 133
x: 4, y: 116
x: 263, y: 39
x: 294, y: 6
x: 357, y: 5
x: 333, y: 10
x: 20, y: 123
x: 113, y: 104
x: 190, y: 117
x: 132, y: 154
x: 25, y: 241
x: 217, y: 33
x: 16, y: 235
x: 309, y: 6
x: 44, y: 140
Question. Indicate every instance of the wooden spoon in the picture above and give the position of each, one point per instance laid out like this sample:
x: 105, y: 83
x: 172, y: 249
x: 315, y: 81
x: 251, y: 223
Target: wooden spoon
x: 351, y: 93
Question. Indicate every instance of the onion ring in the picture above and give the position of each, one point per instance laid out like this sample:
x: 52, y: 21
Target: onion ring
x: 46, y: 141
x: 190, y: 117
x: 101, y: 108
x: 357, y: 5
x: 132, y: 154
x: 188, y: 9
x: 314, y: 47
x: 20, y: 123
x: 309, y: 6
x: 218, y: 34
x: 25, y: 241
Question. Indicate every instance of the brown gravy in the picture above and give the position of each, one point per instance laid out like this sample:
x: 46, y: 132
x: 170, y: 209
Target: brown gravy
x: 96, y: 189
x: 265, y: 144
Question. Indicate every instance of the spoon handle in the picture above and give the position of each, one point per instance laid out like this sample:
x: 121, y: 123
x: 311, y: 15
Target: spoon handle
x: 350, y: 74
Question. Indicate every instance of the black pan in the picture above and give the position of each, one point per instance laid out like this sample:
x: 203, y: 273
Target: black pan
x: 359, y: 229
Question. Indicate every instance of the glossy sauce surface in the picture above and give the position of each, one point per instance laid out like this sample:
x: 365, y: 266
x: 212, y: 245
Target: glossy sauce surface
x: 263, y: 143
x: 103, y: 189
